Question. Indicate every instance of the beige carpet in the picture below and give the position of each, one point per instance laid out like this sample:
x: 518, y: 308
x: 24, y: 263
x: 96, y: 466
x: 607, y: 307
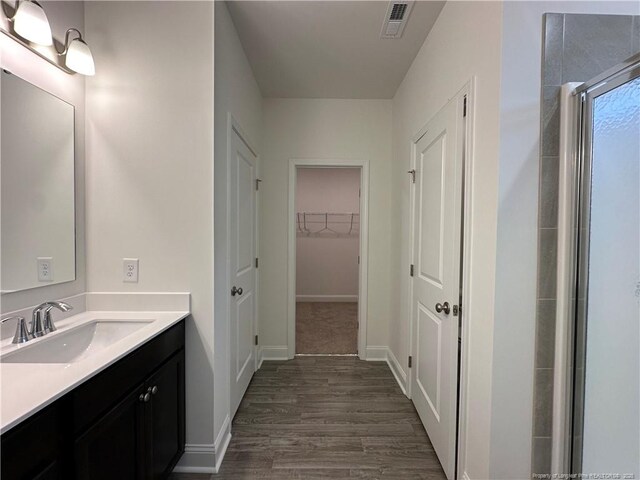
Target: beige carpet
x: 326, y: 327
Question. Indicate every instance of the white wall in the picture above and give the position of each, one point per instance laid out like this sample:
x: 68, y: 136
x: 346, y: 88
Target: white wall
x: 325, y: 129
x: 464, y: 42
x: 70, y: 88
x: 333, y: 190
x: 150, y: 168
x: 327, y: 263
x: 237, y: 93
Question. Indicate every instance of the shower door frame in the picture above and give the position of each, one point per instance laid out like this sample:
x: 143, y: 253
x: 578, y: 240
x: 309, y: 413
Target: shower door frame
x: 573, y: 255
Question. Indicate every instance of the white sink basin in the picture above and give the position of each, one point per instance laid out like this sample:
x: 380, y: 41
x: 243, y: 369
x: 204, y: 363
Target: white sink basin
x: 76, y: 344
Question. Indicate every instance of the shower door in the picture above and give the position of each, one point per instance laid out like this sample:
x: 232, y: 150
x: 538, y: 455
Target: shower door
x: 606, y: 373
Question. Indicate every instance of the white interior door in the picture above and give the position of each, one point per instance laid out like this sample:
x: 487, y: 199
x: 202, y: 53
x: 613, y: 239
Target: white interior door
x: 242, y: 251
x: 436, y: 282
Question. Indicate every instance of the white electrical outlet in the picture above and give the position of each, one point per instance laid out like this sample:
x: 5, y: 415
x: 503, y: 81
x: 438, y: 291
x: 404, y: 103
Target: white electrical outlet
x: 45, y: 269
x: 130, y: 270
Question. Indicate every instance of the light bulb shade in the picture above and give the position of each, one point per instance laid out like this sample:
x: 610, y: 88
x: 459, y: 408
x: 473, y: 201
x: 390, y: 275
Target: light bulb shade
x: 31, y: 22
x: 79, y: 58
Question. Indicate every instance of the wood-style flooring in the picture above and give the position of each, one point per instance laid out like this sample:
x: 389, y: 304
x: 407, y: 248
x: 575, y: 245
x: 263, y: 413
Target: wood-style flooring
x: 326, y: 417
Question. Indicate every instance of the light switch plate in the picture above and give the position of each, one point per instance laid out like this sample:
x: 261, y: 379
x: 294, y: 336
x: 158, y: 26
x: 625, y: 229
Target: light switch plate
x: 130, y: 270
x: 45, y: 269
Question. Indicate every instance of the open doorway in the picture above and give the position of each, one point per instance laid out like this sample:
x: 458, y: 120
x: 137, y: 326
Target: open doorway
x: 327, y: 257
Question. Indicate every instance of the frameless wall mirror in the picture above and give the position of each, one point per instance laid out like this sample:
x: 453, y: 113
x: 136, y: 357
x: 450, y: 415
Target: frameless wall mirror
x: 37, y: 220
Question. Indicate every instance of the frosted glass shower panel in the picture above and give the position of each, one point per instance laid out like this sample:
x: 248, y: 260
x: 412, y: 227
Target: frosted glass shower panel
x: 612, y: 362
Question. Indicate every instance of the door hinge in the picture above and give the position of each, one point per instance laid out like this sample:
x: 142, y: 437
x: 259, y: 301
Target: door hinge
x: 413, y: 175
x: 256, y: 340
x: 411, y: 270
x: 464, y: 106
x: 258, y: 183
x: 358, y: 259
x: 256, y: 262
x: 409, y: 362
x: 359, y: 192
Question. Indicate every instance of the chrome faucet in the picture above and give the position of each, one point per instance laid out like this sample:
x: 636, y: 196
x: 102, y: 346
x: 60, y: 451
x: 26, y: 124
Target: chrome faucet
x: 22, y: 334
x: 41, y: 322
x: 48, y: 322
x: 37, y: 329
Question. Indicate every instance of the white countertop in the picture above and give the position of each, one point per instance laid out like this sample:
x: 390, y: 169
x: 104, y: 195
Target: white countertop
x: 26, y: 388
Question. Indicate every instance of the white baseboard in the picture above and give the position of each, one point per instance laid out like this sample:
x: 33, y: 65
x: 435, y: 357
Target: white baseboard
x: 197, y: 458
x: 267, y: 353
x: 376, y: 354
x: 260, y: 356
x: 327, y: 298
x: 384, y: 354
x: 206, y: 458
x: 222, y: 442
x: 397, y: 370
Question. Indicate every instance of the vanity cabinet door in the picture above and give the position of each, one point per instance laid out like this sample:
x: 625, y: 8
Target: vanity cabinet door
x: 113, y: 447
x: 51, y: 472
x: 165, y: 417
x: 32, y: 450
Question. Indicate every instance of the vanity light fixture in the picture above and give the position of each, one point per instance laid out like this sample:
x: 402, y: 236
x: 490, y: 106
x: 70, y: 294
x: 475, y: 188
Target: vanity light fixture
x: 31, y: 23
x: 77, y: 55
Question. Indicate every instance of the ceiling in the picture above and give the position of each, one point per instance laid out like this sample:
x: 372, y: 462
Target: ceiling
x: 328, y: 49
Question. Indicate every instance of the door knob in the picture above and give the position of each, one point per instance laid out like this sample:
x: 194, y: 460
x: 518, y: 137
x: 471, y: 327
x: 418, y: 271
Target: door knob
x: 235, y: 291
x: 444, y: 307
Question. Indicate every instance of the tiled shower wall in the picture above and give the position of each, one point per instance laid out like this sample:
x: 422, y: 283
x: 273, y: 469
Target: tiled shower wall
x: 576, y: 49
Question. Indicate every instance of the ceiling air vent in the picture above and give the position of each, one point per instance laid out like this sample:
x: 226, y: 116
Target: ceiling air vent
x: 396, y: 19
x: 397, y: 11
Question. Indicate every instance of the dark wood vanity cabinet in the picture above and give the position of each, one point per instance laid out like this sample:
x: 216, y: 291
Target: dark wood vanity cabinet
x: 126, y: 423
x: 32, y: 450
x: 114, y: 447
x: 165, y: 414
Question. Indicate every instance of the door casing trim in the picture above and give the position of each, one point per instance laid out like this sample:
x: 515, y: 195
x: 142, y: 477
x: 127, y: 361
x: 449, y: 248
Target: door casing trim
x: 468, y: 90
x: 363, y: 165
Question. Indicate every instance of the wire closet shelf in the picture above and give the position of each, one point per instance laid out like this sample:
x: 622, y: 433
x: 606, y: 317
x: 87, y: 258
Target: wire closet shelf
x: 327, y: 224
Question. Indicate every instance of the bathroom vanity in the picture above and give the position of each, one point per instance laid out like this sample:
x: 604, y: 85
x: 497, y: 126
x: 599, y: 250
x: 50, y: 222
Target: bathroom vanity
x: 116, y: 412
x: 100, y: 394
